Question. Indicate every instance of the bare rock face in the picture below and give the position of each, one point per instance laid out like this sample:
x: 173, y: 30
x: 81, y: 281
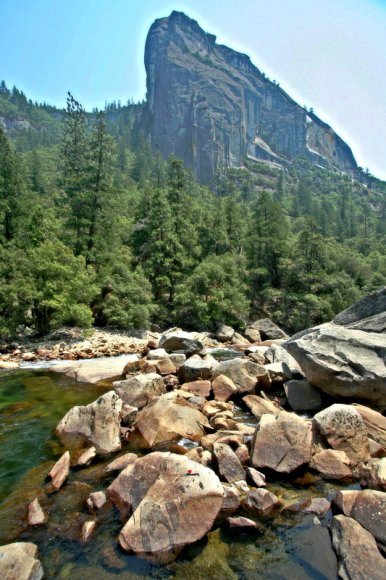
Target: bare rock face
x: 141, y: 389
x: 18, y: 562
x: 357, y: 550
x: 246, y: 375
x: 173, y: 501
x: 344, y: 429
x: 282, y: 443
x: 343, y: 362
x: 166, y: 420
x: 228, y: 109
x: 96, y: 424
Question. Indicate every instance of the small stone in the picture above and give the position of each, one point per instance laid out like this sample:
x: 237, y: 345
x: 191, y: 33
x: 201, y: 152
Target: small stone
x: 244, y: 525
x: 260, y: 500
x: 257, y: 478
x: 86, y: 457
x: 121, y: 462
x: 96, y: 500
x: 87, y: 529
x: 36, y: 515
x: 60, y: 471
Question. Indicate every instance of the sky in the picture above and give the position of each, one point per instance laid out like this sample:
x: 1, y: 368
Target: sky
x: 327, y: 54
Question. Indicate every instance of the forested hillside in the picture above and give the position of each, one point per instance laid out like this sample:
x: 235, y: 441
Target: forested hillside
x: 95, y: 228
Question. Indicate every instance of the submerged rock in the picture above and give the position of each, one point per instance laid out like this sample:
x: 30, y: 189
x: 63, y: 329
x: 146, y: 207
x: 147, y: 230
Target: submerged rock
x: 36, y: 515
x: 173, y: 501
x: 96, y: 424
x: 18, y: 562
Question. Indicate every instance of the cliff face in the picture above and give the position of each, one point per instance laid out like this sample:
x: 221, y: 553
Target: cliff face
x: 210, y: 106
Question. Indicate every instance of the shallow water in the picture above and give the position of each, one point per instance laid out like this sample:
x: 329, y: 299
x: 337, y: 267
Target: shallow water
x: 31, y: 405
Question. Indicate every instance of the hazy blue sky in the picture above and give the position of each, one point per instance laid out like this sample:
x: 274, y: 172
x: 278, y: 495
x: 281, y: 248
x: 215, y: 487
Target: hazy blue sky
x: 328, y: 54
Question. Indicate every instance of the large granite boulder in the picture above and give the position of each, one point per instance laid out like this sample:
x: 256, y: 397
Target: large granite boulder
x: 141, y: 389
x: 171, y: 500
x: 343, y: 362
x: 357, y: 550
x: 344, y: 430
x: 180, y: 341
x: 282, y: 442
x: 245, y: 374
x: 260, y: 406
x: 96, y: 369
x: 195, y: 369
x: 96, y: 424
x: 18, y: 561
x: 368, y: 314
x: 268, y: 329
x: 169, y: 420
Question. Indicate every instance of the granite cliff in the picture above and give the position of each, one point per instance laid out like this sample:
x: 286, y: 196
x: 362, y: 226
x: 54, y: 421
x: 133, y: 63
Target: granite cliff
x: 211, y: 107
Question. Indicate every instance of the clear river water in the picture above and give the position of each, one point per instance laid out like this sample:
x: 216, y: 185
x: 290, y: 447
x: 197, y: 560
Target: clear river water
x: 294, y: 546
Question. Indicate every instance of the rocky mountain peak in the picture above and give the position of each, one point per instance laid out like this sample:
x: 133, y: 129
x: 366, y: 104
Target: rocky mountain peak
x: 210, y: 106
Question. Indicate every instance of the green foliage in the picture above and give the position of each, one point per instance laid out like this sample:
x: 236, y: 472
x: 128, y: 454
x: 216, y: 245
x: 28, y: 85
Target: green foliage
x: 215, y: 292
x: 93, y: 223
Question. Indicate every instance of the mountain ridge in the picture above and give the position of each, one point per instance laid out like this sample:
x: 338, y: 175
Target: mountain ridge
x: 212, y: 107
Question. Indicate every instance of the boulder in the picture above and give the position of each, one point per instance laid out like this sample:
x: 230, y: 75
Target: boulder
x: 357, y: 550
x: 260, y: 500
x: 343, y: 362
x: 372, y: 474
x: 223, y: 388
x: 332, y: 464
x: 96, y: 424
x: 171, y: 500
x: 375, y: 423
x: 257, y: 478
x: 282, y: 443
x: 369, y: 509
x: 198, y: 388
x: 157, y: 354
x: 268, y: 329
x: 180, y: 341
x: 164, y: 366
x: 368, y: 314
x: 278, y: 354
x: 229, y: 467
x: 344, y: 430
x: 194, y: 370
x: 167, y: 420
x: 302, y: 396
x: 278, y: 372
x: 139, y: 390
x: 314, y: 505
x: 96, y: 369
x: 260, y: 406
x: 60, y: 471
x: 224, y: 333
x: 252, y: 334
x: 18, y: 561
x: 246, y: 375
x: 177, y: 358
x: 231, y: 500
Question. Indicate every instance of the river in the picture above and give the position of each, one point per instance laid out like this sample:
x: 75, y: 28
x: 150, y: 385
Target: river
x: 295, y: 546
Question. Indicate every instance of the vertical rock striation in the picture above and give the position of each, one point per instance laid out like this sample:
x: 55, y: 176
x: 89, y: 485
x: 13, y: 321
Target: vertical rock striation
x: 210, y: 106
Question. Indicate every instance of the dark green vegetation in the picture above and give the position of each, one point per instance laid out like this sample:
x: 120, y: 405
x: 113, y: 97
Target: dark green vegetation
x: 96, y: 228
